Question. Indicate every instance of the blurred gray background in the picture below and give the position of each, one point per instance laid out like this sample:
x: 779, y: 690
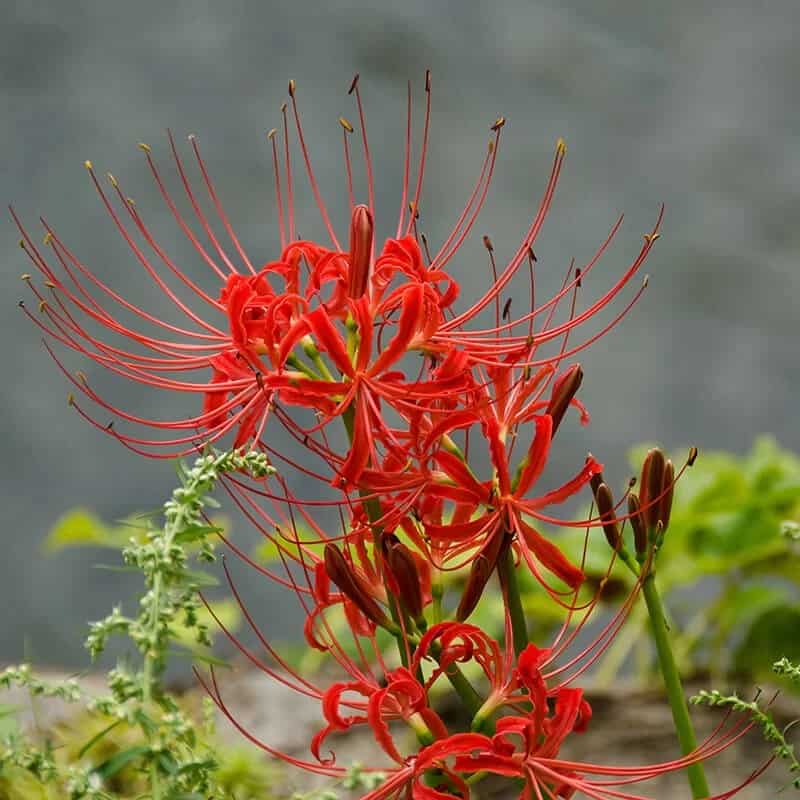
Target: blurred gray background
x: 692, y: 104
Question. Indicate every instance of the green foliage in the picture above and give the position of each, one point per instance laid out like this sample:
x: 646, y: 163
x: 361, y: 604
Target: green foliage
x: 732, y: 541
x: 137, y: 740
x: 39, y: 769
x: 783, y: 749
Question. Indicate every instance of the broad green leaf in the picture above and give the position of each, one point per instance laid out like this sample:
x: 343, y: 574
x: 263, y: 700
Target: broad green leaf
x: 772, y: 635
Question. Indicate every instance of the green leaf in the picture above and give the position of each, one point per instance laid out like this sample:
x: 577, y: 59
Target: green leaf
x: 744, y: 603
x: 772, y: 635
x: 96, y: 738
x: 79, y: 528
x: 194, y: 533
x: 119, y: 761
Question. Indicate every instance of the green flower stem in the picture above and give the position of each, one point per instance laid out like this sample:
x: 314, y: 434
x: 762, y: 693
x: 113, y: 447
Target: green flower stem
x: 508, y: 578
x: 464, y: 689
x: 672, y: 682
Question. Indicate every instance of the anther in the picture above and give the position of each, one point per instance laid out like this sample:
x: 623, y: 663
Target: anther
x: 50, y: 284
x: 692, y: 457
x: 25, y: 276
x: 561, y: 147
x: 353, y: 84
x: 487, y: 243
x: 651, y: 237
x: 497, y: 124
x: 427, y: 80
x: 346, y: 124
x: 88, y: 164
x: 532, y: 255
x: 42, y: 305
x: 507, y: 309
x: 271, y: 133
x: 48, y: 238
x: 577, y: 277
x: 112, y: 180
x: 145, y: 148
x: 292, y: 87
x: 70, y: 399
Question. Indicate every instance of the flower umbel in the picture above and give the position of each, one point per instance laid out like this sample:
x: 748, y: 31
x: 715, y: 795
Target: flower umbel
x: 424, y: 420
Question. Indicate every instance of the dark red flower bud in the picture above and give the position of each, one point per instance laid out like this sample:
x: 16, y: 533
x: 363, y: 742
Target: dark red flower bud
x: 605, y: 505
x: 361, y: 234
x: 564, y: 389
x: 667, y: 486
x: 651, y: 485
x: 352, y: 586
x: 403, y: 568
x: 638, y: 525
x: 482, y: 568
x: 596, y: 479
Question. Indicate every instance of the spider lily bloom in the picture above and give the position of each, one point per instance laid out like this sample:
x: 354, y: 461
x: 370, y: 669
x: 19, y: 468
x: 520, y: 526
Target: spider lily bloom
x: 487, y: 511
x: 246, y: 346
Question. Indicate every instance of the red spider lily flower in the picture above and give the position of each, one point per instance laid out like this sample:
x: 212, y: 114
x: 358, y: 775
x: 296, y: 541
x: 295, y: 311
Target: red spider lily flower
x: 524, y: 745
x: 403, y: 697
x: 247, y: 347
x: 502, y: 503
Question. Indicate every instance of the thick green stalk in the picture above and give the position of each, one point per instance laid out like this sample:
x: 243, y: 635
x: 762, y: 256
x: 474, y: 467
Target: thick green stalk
x: 672, y: 682
x: 508, y: 579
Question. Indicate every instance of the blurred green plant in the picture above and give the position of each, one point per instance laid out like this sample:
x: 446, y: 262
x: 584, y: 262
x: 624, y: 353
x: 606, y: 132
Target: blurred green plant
x: 729, y: 572
x: 138, y: 739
